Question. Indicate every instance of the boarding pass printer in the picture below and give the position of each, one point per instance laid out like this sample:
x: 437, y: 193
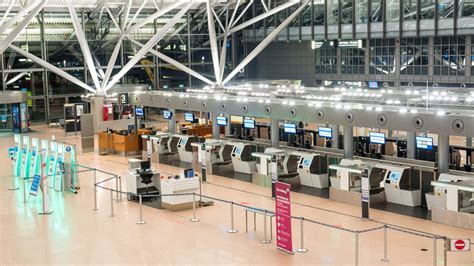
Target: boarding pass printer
x: 312, y: 169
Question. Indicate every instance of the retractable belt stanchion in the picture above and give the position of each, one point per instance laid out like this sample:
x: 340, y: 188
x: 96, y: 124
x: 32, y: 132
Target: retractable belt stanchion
x: 95, y: 190
x: 356, y: 248
x: 194, y: 219
x: 112, y: 203
x: 232, y: 229
x: 140, y: 201
x: 385, y: 255
x: 434, y: 251
x: 302, y: 249
x: 265, y: 240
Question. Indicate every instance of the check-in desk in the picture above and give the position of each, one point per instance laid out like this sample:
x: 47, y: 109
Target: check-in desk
x: 134, y: 180
x: 263, y: 175
x: 312, y: 169
x: 459, y: 199
x: 215, y: 152
x: 125, y: 145
x: 346, y: 184
x: 179, y: 186
x: 106, y: 144
x: 402, y: 184
x: 242, y: 158
x: 185, y: 150
x: 173, y: 143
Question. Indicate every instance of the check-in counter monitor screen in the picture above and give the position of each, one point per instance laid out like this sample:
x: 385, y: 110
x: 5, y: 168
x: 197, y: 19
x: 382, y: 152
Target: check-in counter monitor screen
x: 249, y: 123
x: 306, y: 162
x: 394, y: 177
x: 325, y: 132
x: 189, y: 117
x: 167, y: 115
x: 139, y: 111
x: 237, y: 151
x: 377, y: 138
x: 425, y: 143
x: 222, y: 121
x: 189, y: 173
x: 289, y: 128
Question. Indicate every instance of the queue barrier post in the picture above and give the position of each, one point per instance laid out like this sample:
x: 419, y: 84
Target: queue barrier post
x: 445, y: 251
x: 194, y: 219
x: 232, y: 229
x: 265, y: 240
x: 434, y: 251
x: 385, y: 250
x: 116, y: 189
x: 95, y: 191
x: 302, y: 249
x: 24, y: 190
x: 120, y: 188
x: 357, y: 248
x: 112, y: 203
x: 140, y: 201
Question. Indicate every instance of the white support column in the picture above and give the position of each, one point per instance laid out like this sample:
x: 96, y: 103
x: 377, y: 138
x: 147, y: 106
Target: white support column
x: 216, y: 129
x: 265, y: 43
x: 228, y: 129
x: 348, y: 142
x: 335, y: 136
x: 148, y: 46
x: 443, y: 153
x: 111, y: 64
x: 411, y: 145
x: 274, y: 133
x: 52, y: 68
x: 136, y: 14
x: 172, y: 122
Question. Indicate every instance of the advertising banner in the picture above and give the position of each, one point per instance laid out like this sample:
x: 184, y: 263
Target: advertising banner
x: 283, y: 217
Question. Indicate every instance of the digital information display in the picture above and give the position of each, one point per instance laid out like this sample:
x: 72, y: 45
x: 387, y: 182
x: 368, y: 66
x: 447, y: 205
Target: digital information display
x: 325, y: 132
x: 289, y: 128
x: 222, y: 121
x: 377, y: 138
x: 249, y: 123
x: 425, y: 143
x: 167, y: 115
x: 139, y: 111
x: 189, y: 117
x: 373, y: 84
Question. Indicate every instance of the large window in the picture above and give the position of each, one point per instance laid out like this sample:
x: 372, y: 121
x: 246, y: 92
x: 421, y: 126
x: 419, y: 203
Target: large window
x: 382, y: 56
x: 326, y: 58
x: 361, y: 10
x: 409, y: 7
x: 445, y: 8
x: 352, y: 60
x: 449, y: 57
x: 414, y: 56
x: 319, y: 14
x: 393, y: 10
x: 377, y: 11
x: 346, y: 11
x: 333, y: 12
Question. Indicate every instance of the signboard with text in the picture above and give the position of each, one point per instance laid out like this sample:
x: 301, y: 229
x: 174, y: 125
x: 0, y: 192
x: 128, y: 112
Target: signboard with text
x: 283, y: 217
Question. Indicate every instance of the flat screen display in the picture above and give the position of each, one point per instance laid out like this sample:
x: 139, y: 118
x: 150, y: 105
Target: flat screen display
x: 373, y: 84
x: 325, y: 132
x: 394, y: 176
x: 425, y: 143
x: 139, y: 111
x: 167, y: 114
x: 222, y: 121
x: 188, y: 173
x: 249, y: 123
x: 289, y: 128
x: 189, y: 117
x: 377, y: 138
x: 306, y: 162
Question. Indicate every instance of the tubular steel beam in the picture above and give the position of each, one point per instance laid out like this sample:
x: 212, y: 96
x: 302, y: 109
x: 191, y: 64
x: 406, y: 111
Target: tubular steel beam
x: 213, y: 42
x: 52, y: 68
x: 148, y: 46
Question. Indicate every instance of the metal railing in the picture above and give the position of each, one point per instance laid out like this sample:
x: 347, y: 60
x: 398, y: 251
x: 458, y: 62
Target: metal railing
x: 232, y: 229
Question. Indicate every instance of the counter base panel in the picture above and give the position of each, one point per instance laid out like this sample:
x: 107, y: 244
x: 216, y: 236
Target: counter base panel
x: 458, y: 219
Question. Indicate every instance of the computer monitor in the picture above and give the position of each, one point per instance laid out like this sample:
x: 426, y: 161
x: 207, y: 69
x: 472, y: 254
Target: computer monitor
x: 425, y: 143
x: 145, y: 165
x: 189, y: 117
x: 249, y: 123
x: 167, y: 115
x: 289, y: 128
x: 377, y: 138
x: 139, y: 111
x: 222, y: 121
x: 189, y: 173
x: 131, y: 129
x: 325, y: 132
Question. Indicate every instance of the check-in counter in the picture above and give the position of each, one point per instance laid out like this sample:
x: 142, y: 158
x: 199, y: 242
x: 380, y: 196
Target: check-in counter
x: 106, y: 144
x: 125, y: 145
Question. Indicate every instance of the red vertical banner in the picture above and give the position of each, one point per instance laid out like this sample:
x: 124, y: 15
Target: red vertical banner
x: 283, y: 217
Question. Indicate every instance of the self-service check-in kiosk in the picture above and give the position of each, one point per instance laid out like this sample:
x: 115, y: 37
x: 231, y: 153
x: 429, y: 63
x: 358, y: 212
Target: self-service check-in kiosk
x: 160, y: 143
x: 312, y: 169
x: 455, y: 203
x: 348, y: 175
x: 173, y: 143
x: 67, y: 176
x: 242, y: 158
x: 263, y: 175
x: 185, y: 150
x: 25, y: 158
x: 438, y: 198
x: 402, y: 184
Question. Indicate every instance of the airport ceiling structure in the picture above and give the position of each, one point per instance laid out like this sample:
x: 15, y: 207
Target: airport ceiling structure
x: 226, y: 15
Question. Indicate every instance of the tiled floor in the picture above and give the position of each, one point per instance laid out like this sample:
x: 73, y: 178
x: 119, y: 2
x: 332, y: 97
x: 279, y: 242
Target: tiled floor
x: 74, y: 234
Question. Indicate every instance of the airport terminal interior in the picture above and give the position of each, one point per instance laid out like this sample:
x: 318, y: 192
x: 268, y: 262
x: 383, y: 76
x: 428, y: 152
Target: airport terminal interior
x: 237, y: 132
